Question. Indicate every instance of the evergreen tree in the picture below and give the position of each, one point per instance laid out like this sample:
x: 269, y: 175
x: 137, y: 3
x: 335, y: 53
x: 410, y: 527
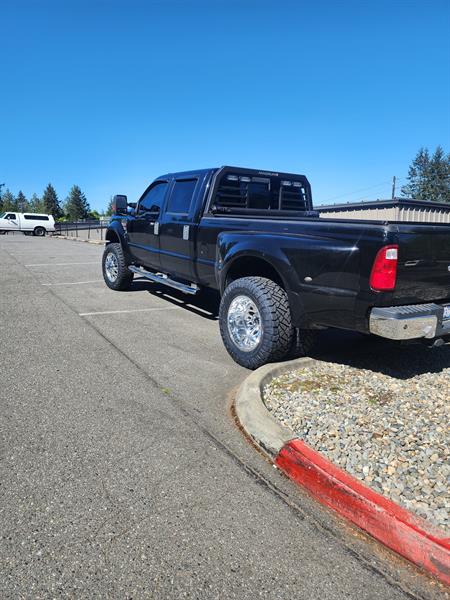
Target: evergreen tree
x: 50, y: 202
x: 22, y: 202
x: 109, y: 210
x: 36, y: 204
x: 440, y: 176
x: 76, y: 207
x: 429, y: 177
x: 8, y: 201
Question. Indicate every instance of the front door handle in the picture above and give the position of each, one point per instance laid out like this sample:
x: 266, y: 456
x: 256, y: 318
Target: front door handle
x: 155, y: 227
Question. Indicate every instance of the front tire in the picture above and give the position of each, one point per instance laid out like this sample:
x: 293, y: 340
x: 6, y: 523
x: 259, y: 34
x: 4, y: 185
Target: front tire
x: 116, y: 274
x: 255, y: 321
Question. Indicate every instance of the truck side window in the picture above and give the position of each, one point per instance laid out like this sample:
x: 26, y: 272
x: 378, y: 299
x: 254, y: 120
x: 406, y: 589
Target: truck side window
x: 181, y: 196
x: 10, y: 216
x: 153, y: 199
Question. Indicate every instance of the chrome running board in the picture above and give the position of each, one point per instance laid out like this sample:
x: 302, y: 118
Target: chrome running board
x: 165, y: 280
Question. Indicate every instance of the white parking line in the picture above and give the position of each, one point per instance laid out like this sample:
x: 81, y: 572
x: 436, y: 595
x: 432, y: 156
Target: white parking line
x: 62, y: 264
x: 116, y: 312
x: 74, y: 282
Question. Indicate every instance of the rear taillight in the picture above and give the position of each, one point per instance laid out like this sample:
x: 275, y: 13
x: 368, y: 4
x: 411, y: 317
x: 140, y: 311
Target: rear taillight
x: 384, y: 270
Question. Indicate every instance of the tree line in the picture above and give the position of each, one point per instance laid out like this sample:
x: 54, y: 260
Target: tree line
x: 428, y: 179
x: 429, y: 176
x: 74, y: 208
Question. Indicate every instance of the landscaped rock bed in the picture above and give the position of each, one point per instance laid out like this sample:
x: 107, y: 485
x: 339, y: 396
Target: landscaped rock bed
x: 388, y: 427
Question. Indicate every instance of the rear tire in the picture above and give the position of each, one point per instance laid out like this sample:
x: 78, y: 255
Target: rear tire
x: 116, y: 274
x: 255, y: 321
x: 39, y: 231
x: 303, y: 341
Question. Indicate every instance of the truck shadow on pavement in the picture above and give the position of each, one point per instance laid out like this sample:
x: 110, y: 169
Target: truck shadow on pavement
x: 205, y: 303
x: 381, y: 356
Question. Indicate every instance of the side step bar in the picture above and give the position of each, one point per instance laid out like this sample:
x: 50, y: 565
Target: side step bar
x: 160, y: 278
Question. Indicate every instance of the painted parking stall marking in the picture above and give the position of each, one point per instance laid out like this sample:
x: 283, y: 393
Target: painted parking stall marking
x: 136, y: 310
x: 62, y: 264
x: 74, y: 282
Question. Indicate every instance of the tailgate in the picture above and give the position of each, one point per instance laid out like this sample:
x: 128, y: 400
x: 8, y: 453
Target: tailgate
x: 424, y: 264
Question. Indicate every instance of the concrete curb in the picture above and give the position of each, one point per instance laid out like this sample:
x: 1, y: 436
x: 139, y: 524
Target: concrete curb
x: 75, y: 239
x: 252, y: 412
x: 410, y: 536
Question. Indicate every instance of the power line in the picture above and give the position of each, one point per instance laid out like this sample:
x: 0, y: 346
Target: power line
x: 357, y: 191
x: 384, y: 183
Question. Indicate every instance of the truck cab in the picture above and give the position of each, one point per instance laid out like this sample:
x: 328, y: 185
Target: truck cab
x: 161, y: 232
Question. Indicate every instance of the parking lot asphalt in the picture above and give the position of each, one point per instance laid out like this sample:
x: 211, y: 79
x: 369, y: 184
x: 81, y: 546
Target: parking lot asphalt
x: 123, y: 474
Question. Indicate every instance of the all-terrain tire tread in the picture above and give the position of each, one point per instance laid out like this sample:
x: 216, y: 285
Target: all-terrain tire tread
x: 125, y: 277
x: 303, y: 341
x: 273, y: 305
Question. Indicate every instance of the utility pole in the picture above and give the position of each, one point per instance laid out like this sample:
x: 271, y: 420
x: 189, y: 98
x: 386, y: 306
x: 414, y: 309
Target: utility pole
x: 394, y: 179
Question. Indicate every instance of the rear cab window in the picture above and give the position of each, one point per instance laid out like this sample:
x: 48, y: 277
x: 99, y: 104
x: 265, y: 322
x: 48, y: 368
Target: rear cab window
x: 180, y: 200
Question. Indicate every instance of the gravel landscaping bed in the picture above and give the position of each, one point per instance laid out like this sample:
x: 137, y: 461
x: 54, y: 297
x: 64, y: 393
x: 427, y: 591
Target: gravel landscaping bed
x: 385, y: 420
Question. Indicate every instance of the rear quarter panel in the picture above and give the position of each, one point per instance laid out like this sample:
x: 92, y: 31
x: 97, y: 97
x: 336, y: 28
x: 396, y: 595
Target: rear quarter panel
x: 336, y: 255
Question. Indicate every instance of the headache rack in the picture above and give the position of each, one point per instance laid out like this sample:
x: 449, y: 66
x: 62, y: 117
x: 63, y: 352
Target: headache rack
x: 244, y: 191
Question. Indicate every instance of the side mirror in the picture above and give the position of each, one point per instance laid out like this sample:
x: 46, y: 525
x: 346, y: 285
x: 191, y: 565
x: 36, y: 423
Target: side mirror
x: 120, y: 205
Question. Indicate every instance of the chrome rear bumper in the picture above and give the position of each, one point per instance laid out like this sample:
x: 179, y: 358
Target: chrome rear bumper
x: 409, y: 322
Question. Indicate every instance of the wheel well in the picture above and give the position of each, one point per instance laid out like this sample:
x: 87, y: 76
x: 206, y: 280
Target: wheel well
x: 249, y: 266
x: 111, y: 236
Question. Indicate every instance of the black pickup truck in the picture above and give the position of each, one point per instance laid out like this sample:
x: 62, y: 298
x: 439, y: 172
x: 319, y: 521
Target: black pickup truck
x: 282, y: 272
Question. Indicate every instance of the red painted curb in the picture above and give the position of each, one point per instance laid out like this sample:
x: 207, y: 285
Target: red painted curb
x: 408, y: 535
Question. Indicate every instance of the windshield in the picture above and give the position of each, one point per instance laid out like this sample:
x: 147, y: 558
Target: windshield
x: 2, y: 215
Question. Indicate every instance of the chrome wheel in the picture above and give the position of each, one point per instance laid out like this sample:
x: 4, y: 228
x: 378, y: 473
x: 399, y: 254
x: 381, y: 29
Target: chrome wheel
x: 244, y: 323
x: 111, y: 267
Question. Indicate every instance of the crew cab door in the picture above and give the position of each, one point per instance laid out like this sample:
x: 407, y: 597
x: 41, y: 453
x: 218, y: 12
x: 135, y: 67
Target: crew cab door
x: 178, y: 227
x: 143, y: 229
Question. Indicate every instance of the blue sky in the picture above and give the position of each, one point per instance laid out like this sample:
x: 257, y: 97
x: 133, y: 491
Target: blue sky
x: 110, y: 94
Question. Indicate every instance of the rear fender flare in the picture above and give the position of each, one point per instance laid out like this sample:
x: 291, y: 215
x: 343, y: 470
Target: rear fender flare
x: 234, y: 248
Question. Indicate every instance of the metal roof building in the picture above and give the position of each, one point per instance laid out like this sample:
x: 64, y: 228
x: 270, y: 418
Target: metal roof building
x: 397, y: 209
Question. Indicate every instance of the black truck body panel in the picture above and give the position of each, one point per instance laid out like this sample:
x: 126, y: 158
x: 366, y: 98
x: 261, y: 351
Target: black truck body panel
x: 323, y: 264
